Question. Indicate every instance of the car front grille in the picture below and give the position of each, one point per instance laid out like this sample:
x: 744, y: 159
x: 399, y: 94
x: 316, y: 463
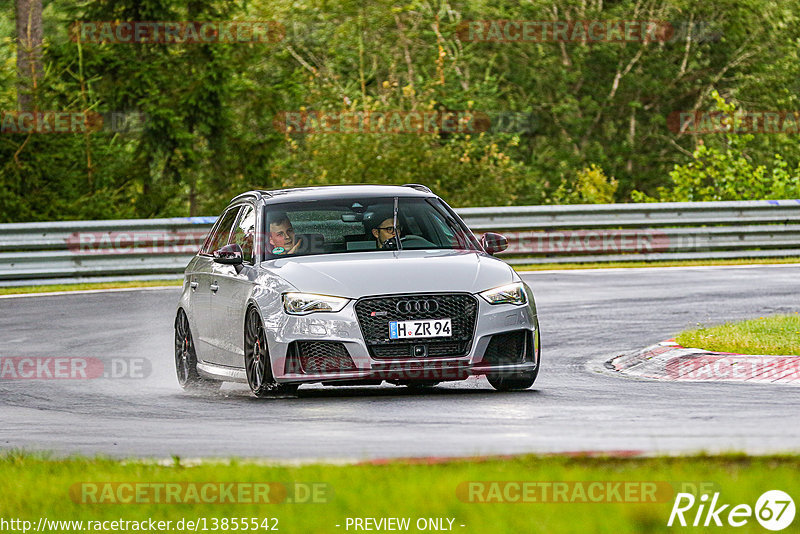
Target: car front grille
x: 375, y: 313
x: 316, y: 357
x: 506, y: 348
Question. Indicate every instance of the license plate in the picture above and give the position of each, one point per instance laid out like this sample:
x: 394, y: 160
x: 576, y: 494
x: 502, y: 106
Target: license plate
x: 422, y: 328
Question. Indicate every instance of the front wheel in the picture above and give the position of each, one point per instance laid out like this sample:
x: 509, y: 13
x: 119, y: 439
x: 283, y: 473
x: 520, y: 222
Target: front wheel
x: 513, y: 381
x: 186, y: 359
x: 257, y: 362
x: 516, y: 381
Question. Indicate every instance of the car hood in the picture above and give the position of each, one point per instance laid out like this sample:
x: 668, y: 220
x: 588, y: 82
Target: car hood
x: 358, y: 274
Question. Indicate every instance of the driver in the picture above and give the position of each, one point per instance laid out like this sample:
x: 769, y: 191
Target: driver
x: 282, y: 239
x: 384, y: 231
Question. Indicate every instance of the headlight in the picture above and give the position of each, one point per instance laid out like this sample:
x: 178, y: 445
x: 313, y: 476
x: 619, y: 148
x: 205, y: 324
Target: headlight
x: 507, y: 294
x: 303, y: 303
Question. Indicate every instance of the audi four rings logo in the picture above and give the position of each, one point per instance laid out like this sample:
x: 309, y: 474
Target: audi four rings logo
x: 417, y: 306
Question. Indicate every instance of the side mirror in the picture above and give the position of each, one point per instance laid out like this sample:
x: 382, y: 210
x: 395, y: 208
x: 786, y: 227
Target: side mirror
x: 230, y: 255
x: 493, y: 243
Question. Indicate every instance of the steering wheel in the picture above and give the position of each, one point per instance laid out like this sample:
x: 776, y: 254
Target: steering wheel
x: 391, y: 243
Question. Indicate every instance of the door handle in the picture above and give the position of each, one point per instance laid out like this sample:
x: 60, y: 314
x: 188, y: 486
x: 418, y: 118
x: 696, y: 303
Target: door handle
x: 214, y: 287
x: 193, y: 285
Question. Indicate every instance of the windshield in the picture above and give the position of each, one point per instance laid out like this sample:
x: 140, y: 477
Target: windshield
x: 335, y: 226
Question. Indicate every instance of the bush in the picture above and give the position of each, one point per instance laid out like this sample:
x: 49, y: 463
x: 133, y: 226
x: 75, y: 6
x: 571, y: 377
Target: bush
x: 727, y: 172
x: 591, y: 186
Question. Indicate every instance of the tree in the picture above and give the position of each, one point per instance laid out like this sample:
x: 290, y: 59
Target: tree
x: 29, y: 51
x: 600, y: 109
x: 725, y: 170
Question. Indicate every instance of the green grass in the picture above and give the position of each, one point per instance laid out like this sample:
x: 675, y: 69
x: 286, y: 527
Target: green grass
x: 83, y: 287
x: 34, y: 486
x: 777, y: 334
x: 639, y: 264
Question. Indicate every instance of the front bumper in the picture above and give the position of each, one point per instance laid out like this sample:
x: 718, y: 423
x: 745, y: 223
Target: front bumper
x: 288, y: 332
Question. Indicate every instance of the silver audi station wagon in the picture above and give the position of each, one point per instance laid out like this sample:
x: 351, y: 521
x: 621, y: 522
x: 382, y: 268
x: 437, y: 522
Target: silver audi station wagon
x: 351, y: 285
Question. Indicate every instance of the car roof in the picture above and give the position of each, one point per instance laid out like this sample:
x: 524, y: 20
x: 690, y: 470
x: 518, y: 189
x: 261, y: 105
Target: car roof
x: 338, y: 191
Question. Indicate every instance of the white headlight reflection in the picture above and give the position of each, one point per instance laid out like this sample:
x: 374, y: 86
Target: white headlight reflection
x: 304, y: 303
x: 507, y: 294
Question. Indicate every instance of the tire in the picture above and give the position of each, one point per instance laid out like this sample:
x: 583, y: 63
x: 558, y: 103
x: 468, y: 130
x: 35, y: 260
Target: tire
x: 516, y: 381
x: 186, y: 359
x: 257, y: 362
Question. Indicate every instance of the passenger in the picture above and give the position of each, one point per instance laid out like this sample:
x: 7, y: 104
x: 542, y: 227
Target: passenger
x: 281, y: 235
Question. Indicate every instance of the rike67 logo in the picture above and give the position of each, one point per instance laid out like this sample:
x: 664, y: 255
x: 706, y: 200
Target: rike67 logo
x: 774, y: 510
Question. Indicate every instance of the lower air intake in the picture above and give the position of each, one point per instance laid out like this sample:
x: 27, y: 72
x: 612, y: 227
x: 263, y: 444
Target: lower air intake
x: 507, y: 348
x: 318, y: 357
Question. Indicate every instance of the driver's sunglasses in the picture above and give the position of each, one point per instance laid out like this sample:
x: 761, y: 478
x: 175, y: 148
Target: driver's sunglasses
x: 390, y: 229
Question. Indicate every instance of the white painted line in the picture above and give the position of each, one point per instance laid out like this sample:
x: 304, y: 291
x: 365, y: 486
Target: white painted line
x: 87, y: 291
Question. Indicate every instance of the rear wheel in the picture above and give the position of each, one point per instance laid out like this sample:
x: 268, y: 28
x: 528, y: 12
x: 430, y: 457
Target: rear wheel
x: 516, y: 381
x: 257, y: 362
x: 186, y: 359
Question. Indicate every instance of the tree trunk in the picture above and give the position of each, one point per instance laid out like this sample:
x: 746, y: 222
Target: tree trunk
x: 29, y: 51
x: 193, y: 197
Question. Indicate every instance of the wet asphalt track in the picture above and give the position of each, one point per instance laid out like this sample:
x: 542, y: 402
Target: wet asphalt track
x: 585, y: 316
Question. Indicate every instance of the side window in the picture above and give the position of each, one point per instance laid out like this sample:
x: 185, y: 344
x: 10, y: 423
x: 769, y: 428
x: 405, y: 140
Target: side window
x: 244, y: 232
x: 442, y: 228
x: 219, y: 238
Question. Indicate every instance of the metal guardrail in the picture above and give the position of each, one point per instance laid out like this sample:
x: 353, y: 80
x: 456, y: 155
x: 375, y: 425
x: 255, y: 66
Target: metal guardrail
x: 90, y: 251
x: 53, y: 252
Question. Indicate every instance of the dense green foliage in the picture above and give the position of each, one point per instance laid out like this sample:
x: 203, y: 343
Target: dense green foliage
x: 728, y: 172
x: 601, y: 108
